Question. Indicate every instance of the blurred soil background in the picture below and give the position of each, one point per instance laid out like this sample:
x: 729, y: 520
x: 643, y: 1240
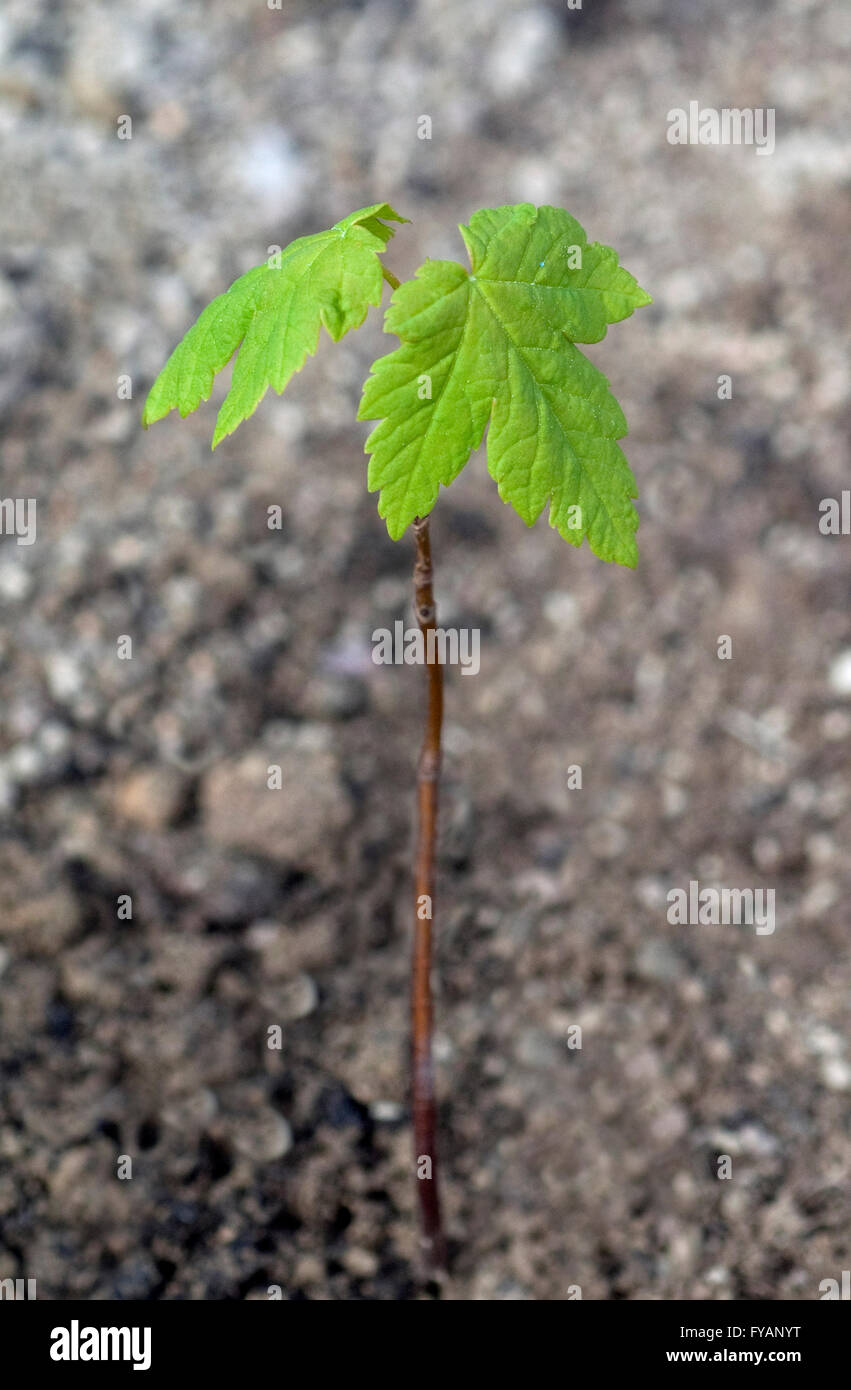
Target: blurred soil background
x: 148, y: 1037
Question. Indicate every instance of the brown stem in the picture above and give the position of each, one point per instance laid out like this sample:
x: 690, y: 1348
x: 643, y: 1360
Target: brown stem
x: 428, y: 774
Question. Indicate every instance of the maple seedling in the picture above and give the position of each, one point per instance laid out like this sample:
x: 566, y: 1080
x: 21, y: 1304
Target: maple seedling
x: 493, y: 346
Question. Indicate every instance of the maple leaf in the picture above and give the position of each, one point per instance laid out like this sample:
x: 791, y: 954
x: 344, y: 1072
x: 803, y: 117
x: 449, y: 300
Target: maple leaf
x: 276, y: 311
x: 496, y: 344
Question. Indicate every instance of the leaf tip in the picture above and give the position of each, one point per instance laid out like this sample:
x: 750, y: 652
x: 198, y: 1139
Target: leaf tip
x: 150, y: 414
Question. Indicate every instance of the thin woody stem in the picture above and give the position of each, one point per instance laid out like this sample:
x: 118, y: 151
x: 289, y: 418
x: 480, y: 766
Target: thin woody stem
x: 422, y: 1012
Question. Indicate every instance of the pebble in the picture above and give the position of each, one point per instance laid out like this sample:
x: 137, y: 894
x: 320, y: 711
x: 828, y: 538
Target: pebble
x: 536, y: 1048
x: 387, y: 1112
x: 16, y: 581
x: 153, y: 228
x: 839, y: 674
x: 284, y: 951
x: 360, y: 1263
x: 836, y: 1074
x: 297, y: 998
x: 64, y: 676
x: 522, y: 49
x: 273, y: 176
x: 263, y: 1137
x: 670, y: 1125
x: 151, y: 797
x: 656, y: 959
x: 298, y: 824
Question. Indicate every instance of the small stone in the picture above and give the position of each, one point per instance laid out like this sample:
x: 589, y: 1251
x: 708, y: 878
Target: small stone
x: 297, y: 823
x: 751, y: 1139
x: 25, y: 763
x: 537, y: 1048
x: 192, y: 1112
x: 15, y: 581
x: 151, y: 797
x: 284, y: 951
x: 606, y: 839
x: 524, y: 44
x: 263, y: 1137
x: 360, y: 1263
x: 836, y: 1074
x: 44, y: 922
x: 670, y: 1125
x: 236, y: 889
x: 68, y: 1174
x: 823, y: 1041
x: 64, y: 676
x: 269, y: 172
x: 309, y: 1269
x: 387, y: 1112
x: 819, y: 898
x: 839, y: 673
x: 297, y: 998
x: 185, y: 962
x: 652, y: 892
x: 560, y: 609
x: 657, y: 960
x: 334, y: 696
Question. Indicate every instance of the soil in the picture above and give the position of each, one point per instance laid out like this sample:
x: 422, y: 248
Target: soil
x: 161, y: 911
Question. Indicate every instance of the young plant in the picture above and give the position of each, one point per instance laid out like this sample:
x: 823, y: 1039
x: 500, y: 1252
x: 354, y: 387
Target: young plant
x: 493, y: 345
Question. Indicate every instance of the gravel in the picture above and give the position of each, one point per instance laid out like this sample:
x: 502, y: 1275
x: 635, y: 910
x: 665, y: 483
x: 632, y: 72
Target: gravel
x: 145, y: 779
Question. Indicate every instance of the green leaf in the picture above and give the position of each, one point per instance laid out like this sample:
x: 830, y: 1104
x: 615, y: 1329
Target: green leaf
x: 275, y: 311
x: 497, y: 345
